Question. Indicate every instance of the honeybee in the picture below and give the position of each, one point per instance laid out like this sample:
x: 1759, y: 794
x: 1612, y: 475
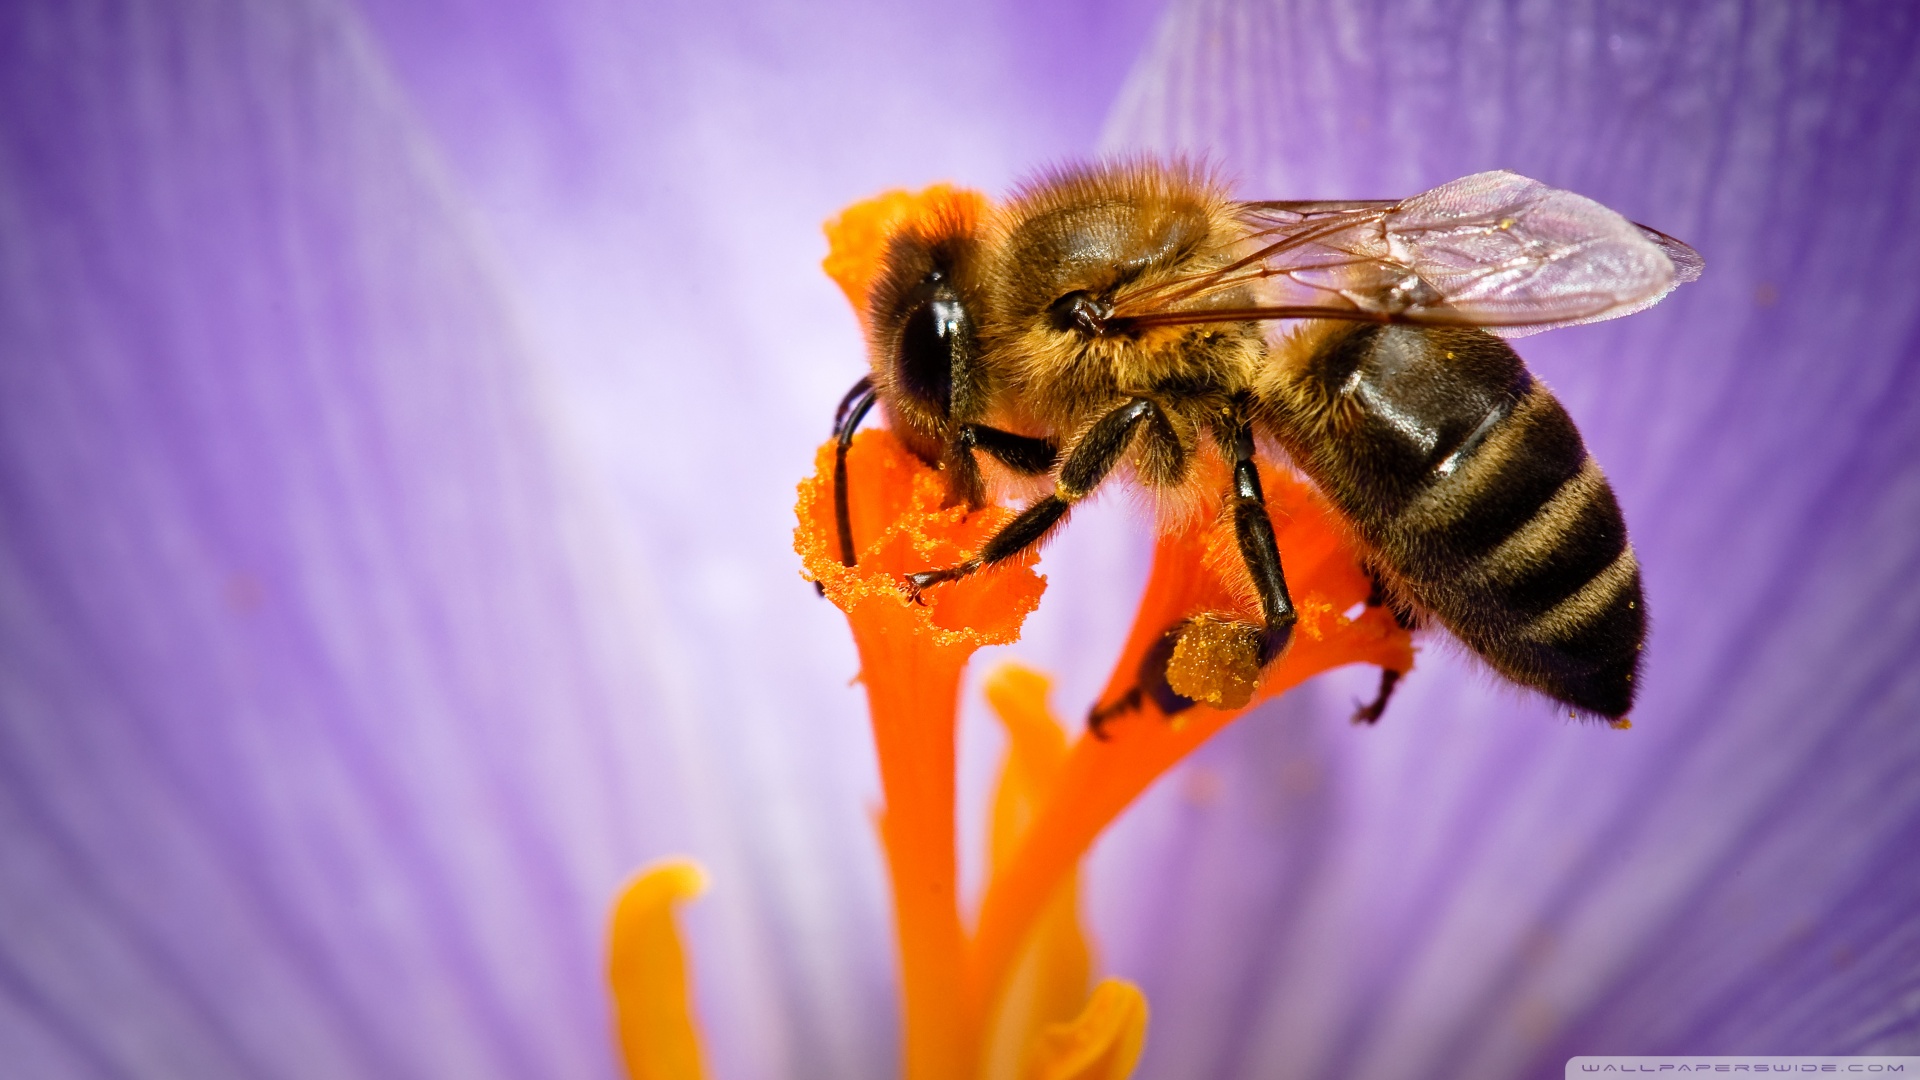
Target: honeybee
x: 1125, y: 317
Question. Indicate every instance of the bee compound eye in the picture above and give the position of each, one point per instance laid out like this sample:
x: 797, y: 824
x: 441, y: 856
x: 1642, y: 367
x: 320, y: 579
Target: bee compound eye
x: 932, y: 341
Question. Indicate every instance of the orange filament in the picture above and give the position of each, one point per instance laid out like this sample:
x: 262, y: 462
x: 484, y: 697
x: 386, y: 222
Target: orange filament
x: 1102, y: 1043
x: 1047, y: 985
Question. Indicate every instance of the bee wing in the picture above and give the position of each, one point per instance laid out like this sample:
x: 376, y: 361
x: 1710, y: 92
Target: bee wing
x: 1494, y: 250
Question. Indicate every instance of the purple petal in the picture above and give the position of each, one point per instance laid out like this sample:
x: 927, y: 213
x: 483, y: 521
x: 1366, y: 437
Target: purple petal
x: 1473, y: 888
x: 401, y: 415
x: 312, y: 763
x: 395, y: 542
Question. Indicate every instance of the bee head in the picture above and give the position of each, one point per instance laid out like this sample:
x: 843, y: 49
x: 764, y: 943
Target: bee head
x: 922, y: 327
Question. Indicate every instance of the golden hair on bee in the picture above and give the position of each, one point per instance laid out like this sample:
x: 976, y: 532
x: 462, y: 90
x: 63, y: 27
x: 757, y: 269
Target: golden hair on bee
x: 1065, y: 246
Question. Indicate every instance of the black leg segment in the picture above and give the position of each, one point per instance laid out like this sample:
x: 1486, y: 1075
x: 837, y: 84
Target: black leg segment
x: 1368, y: 714
x: 1254, y: 530
x: 860, y: 389
x: 1024, y: 531
x: 1380, y: 596
x: 1014, y: 537
x: 1021, y: 453
x: 846, y: 420
x: 1150, y: 682
x: 1101, y: 449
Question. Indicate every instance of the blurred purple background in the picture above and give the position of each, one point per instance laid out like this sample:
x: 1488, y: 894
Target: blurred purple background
x: 399, y: 412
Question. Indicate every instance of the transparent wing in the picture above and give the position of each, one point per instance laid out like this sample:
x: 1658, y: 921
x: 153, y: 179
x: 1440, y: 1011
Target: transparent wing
x: 1494, y: 250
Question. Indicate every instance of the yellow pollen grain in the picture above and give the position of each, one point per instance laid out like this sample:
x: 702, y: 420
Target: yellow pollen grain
x: 1216, y: 661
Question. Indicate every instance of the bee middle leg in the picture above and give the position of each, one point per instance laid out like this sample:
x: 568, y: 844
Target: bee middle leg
x: 1258, y: 547
x: 1092, y: 459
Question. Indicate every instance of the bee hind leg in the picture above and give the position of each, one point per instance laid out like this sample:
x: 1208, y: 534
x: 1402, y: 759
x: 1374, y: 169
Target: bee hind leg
x: 1258, y: 547
x: 1370, y: 714
x: 1381, y: 596
x: 1150, y: 685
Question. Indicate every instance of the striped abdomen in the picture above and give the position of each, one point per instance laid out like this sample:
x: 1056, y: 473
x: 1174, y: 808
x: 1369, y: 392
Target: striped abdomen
x: 1473, y: 488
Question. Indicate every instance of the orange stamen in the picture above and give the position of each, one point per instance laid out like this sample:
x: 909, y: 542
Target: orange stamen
x: 1195, y: 570
x: 911, y: 657
x: 1048, y: 983
x: 647, y: 969
x: 1102, y: 1043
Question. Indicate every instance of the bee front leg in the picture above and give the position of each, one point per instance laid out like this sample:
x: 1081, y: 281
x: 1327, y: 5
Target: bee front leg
x: 1092, y: 458
x: 846, y: 420
x: 1022, y: 454
x: 1254, y: 530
